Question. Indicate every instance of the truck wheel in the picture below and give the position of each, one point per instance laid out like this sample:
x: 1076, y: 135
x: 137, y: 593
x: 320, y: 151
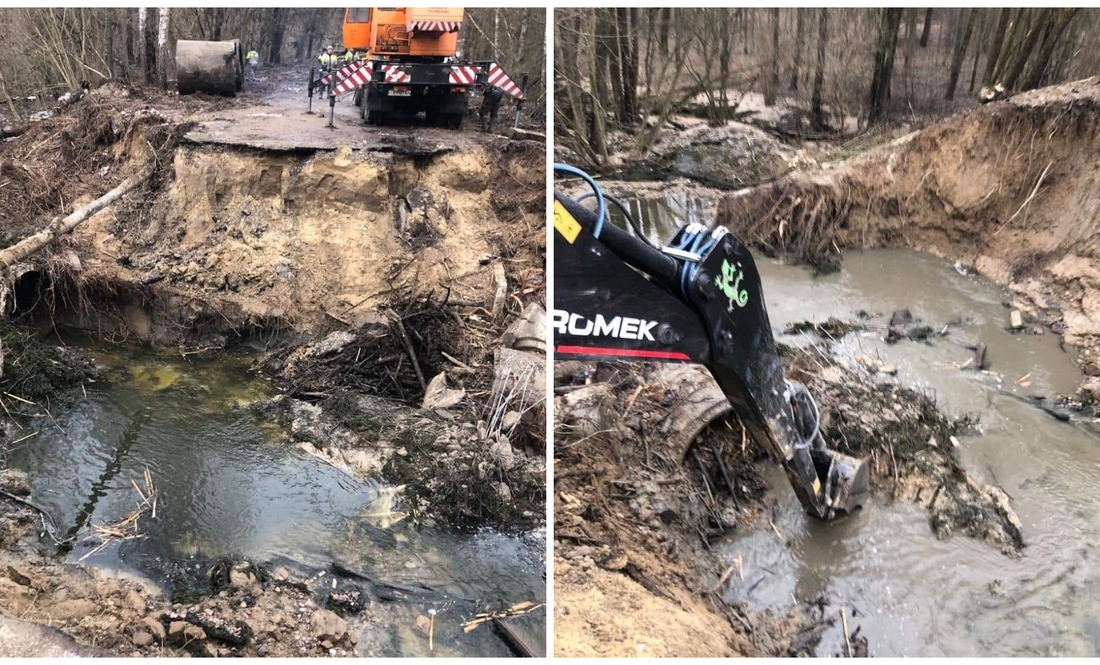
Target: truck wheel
x: 454, y: 120
x: 358, y: 99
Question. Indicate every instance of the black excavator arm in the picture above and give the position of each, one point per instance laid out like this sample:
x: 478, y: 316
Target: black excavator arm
x: 697, y: 300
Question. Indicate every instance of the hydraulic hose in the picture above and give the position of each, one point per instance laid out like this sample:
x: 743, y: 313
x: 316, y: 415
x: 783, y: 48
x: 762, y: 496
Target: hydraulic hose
x: 627, y: 247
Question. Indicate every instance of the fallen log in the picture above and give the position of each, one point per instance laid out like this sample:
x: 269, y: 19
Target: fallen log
x: 59, y: 227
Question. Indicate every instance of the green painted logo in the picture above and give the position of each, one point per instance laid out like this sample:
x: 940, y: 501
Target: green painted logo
x: 729, y: 281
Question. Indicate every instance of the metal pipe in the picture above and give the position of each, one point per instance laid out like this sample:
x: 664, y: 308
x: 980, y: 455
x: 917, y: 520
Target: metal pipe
x: 519, y: 102
x: 312, y: 70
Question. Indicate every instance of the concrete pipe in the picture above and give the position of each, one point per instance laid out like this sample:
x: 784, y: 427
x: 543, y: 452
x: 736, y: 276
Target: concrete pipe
x: 215, y: 68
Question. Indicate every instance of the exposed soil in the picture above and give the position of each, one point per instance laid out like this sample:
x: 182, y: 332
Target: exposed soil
x: 1008, y: 189
x: 369, y: 264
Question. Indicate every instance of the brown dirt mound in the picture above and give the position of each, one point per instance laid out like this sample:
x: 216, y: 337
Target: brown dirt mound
x: 1009, y: 188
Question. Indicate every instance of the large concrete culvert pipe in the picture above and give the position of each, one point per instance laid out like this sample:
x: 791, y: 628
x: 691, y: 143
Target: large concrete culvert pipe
x: 216, y: 68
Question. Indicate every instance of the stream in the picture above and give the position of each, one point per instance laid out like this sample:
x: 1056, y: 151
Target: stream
x: 909, y: 593
x: 230, y: 484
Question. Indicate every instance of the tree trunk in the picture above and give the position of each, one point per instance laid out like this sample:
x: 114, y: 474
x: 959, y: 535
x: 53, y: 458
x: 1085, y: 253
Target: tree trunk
x: 800, y: 34
x: 606, y: 82
x: 112, y: 24
x: 666, y: 20
x: 219, y: 19
x: 725, y: 52
x: 130, y: 37
x: 1021, y: 55
x: 1042, y: 61
x: 1019, y: 21
x: 907, y: 56
x: 817, y: 115
x: 162, y: 47
x: 983, y: 34
x: 278, y: 27
x: 886, y: 43
x: 993, y: 50
x: 927, y: 27
x: 11, y: 103
x: 628, y: 110
x: 771, y: 87
x: 149, y: 34
x: 960, y: 54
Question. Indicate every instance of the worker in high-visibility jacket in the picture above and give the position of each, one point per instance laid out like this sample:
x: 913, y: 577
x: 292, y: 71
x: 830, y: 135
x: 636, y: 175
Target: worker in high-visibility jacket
x: 253, y: 59
x: 349, y: 56
x: 329, y: 60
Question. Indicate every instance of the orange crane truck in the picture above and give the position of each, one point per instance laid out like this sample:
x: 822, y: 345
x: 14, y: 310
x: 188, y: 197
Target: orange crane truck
x: 408, y: 65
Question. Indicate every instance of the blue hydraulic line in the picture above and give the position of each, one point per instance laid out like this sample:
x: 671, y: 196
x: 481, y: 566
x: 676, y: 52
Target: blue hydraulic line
x: 601, y: 205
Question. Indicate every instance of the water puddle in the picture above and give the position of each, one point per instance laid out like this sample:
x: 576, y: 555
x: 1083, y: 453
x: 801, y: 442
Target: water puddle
x: 911, y: 594
x: 229, y: 484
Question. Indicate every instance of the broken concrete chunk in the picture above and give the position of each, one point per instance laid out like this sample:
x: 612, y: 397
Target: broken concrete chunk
x: 1015, y: 320
x: 528, y: 332
x: 342, y: 157
x: 439, y: 396
x: 326, y: 625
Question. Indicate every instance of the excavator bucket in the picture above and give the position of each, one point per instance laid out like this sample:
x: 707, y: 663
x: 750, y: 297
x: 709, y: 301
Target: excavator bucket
x: 848, y: 481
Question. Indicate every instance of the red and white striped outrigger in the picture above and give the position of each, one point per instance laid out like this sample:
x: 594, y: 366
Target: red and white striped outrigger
x: 356, y: 74
x: 433, y: 26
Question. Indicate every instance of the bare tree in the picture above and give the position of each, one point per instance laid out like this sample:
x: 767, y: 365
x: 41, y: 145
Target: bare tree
x: 817, y: 115
x: 771, y: 87
x: 927, y: 27
x: 800, y: 30
x: 959, y: 54
x: 883, y: 64
x: 162, y: 46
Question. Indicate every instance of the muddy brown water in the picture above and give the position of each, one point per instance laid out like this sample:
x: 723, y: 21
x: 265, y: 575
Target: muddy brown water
x: 909, y: 593
x: 230, y: 485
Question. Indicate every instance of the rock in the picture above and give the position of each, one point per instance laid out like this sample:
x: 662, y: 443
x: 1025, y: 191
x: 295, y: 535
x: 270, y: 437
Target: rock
x: 74, y: 610
x: 182, y: 633
x: 888, y: 369
x: 439, y: 396
x: 326, y: 625
x: 142, y: 639
x: 136, y: 602
x: 502, y: 453
x: 327, y: 644
x: 423, y: 624
x: 152, y: 626
x: 240, y: 579
x: 510, y: 420
x: 1015, y: 320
